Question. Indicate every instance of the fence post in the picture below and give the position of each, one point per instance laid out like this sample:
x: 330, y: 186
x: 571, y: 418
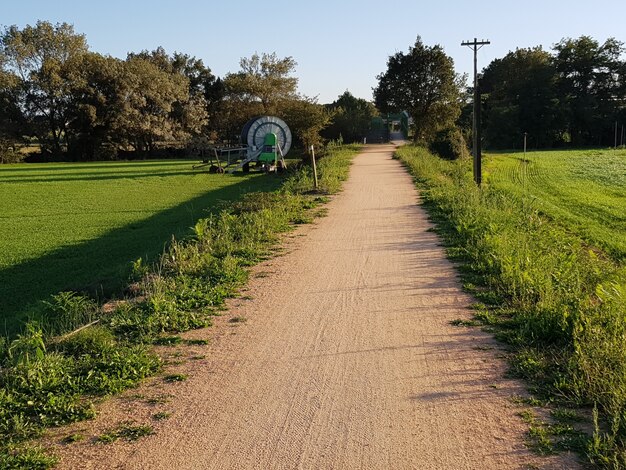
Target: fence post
x: 314, y: 167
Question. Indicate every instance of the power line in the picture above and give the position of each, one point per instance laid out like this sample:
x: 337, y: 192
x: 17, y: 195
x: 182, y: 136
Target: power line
x: 476, y: 45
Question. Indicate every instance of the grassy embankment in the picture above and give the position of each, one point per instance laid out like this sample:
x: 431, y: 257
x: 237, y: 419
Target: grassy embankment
x: 542, y: 249
x: 47, y: 379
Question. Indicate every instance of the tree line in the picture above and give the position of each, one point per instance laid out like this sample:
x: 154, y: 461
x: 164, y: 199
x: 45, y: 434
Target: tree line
x: 571, y: 97
x: 78, y: 104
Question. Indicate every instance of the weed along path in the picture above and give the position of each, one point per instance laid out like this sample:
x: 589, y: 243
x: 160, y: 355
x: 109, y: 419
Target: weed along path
x: 347, y: 358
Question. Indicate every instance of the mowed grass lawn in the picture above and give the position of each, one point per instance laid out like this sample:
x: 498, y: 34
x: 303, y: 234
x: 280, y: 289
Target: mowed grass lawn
x: 583, y: 190
x: 79, y: 226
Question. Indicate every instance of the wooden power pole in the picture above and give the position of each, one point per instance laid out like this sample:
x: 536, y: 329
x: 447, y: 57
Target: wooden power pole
x: 475, y: 45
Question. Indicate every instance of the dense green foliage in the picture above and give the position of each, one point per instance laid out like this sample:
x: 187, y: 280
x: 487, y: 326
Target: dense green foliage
x: 520, y: 95
x: 423, y: 83
x: 584, y: 191
x: 78, y: 226
x: 557, y: 302
x: 352, y: 118
x: 573, y: 96
x: 449, y: 144
x: 40, y: 58
x: 48, y: 380
x: 88, y: 106
x: 80, y: 105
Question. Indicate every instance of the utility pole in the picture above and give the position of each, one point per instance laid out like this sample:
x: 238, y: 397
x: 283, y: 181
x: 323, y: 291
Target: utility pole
x: 475, y: 45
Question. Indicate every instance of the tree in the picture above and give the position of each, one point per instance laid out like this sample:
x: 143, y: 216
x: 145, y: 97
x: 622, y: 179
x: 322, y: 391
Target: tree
x: 136, y: 102
x: 591, y: 80
x: 201, y: 80
x: 155, y: 106
x: 11, y: 119
x: 264, y: 79
x: 423, y: 83
x: 189, y: 114
x: 352, y: 118
x: 262, y: 86
x: 43, y: 57
x: 519, y: 95
x: 306, y: 118
x: 99, y: 91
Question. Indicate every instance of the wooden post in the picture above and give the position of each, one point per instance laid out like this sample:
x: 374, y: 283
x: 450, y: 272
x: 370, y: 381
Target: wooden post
x: 314, y: 167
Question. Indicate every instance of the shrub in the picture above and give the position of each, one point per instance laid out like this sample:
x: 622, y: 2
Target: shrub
x: 11, y: 156
x: 27, y: 347
x: 449, y: 144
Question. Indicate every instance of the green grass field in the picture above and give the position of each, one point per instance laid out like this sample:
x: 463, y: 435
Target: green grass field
x: 78, y: 226
x: 583, y: 190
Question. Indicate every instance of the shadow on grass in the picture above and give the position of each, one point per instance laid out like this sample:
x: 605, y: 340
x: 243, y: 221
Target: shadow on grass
x: 101, y: 267
x: 100, y: 176
x: 82, y: 166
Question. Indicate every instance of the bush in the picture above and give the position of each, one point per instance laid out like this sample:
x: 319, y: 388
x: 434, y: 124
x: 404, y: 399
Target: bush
x: 8, y: 155
x: 449, y: 144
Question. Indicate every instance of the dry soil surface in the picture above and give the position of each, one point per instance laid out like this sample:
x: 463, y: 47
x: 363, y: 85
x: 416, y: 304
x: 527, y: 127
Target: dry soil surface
x: 347, y: 359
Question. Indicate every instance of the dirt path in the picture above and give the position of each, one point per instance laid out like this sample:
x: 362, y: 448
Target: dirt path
x: 347, y: 359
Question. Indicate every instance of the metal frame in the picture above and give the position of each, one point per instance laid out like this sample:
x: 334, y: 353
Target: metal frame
x: 252, y: 146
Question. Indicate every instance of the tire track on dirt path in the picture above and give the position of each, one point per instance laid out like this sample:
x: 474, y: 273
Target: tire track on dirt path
x: 347, y: 360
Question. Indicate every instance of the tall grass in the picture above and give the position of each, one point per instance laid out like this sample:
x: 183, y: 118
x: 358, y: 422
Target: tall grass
x: 332, y: 170
x: 49, y: 377
x: 560, y: 302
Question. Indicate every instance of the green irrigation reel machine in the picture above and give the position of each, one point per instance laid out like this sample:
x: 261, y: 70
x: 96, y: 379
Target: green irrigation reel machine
x: 265, y: 140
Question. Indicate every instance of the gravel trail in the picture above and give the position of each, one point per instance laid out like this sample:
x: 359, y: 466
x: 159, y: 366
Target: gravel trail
x: 347, y: 359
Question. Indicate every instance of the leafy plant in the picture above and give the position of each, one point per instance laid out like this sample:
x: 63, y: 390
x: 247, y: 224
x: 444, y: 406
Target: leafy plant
x: 66, y: 311
x: 27, y: 347
x: 26, y: 458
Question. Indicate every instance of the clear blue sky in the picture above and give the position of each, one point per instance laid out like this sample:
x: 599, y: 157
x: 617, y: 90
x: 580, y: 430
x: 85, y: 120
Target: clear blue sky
x: 339, y: 45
